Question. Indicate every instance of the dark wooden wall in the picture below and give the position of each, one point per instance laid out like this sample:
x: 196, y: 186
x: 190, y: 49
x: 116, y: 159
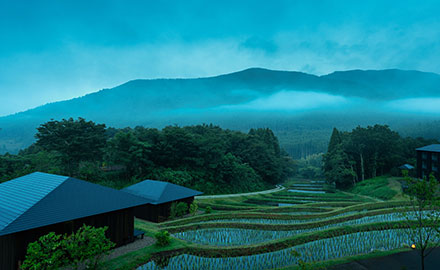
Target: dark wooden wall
x: 120, y: 231
x: 429, y: 162
x: 159, y: 212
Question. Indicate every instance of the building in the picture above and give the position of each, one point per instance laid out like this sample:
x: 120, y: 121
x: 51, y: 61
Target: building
x: 428, y: 160
x: 36, y: 204
x: 160, y: 196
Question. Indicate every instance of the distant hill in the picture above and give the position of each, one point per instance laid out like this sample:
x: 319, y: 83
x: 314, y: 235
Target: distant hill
x: 233, y: 100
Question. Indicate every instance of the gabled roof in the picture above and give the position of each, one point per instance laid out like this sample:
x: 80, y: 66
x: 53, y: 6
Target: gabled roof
x: 406, y: 167
x: 430, y: 148
x: 158, y: 192
x: 41, y: 199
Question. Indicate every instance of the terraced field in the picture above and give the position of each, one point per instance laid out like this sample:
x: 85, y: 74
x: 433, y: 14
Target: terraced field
x: 254, y: 232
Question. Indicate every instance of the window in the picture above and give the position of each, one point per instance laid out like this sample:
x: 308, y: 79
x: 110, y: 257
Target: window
x: 424, y: 165
x: 424, y: 155
x: 434, y: 168
x: 434, y: 157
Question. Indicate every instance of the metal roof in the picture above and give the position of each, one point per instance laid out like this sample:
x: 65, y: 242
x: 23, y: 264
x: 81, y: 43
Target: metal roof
x: 430, y: 148
x: 41, y: 199
x: 158, y: 192
x: 406, y: 167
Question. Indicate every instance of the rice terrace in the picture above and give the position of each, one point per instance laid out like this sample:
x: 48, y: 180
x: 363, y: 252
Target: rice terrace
x: 324, y: 227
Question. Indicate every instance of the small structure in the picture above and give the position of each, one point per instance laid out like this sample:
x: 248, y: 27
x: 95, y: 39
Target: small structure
x: 406, y: 167
x: 160, y: 196
x: 36, y: 204
x: 428, y: 160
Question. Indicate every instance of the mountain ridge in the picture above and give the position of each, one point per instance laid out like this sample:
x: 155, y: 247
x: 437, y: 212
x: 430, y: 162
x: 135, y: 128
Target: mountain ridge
x: 160, y: 102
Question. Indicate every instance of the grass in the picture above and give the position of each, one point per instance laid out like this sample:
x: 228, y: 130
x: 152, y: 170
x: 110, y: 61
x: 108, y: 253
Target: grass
x: 378, y: 187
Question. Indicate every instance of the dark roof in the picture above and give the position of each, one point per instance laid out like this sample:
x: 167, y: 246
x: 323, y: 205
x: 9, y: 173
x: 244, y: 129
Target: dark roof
x: 406, y: 167
x: 430, y: 148
x: 41, y: 199
x: 158, y: 192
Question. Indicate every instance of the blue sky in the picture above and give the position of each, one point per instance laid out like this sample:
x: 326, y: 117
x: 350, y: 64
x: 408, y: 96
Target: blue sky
x: 55, y: 50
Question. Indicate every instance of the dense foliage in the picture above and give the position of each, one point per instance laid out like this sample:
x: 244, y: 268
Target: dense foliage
x: 203, y: 157
x: 84, y: 247
x: 367, y: 152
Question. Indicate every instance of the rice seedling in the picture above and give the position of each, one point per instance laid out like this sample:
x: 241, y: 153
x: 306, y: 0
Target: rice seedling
x: 235, y: 236
x: 320, y: 250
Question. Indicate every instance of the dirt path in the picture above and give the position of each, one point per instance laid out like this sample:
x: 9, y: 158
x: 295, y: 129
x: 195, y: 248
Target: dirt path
x: 278, y: 188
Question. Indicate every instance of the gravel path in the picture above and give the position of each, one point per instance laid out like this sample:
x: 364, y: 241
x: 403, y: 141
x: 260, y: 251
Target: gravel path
x: 138, y: 244
x: 278, y: 188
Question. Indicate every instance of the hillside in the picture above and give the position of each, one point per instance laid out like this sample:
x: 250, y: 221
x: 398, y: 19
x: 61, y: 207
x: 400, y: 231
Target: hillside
x: 294, y: 104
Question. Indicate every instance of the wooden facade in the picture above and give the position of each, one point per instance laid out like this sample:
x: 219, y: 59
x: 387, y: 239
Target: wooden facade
x: 428, y: 162
x: 120, y: 231
x: 158, y: 212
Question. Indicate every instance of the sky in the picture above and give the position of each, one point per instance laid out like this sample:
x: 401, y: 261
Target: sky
x: 56, y: 50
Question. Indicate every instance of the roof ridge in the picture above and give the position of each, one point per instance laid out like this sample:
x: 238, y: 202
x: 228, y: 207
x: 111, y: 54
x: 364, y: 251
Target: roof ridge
x: 39, y: 200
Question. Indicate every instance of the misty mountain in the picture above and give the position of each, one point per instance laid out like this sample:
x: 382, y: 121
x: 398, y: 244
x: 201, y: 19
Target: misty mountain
x: 291, y: 103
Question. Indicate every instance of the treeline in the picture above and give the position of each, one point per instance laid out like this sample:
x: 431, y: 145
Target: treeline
x: 203, y: 157
x: 368, y: 152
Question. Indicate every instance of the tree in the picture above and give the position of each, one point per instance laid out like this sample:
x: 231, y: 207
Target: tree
x: 424, y: 220
x: 75, y: 141
x: 125, y: 149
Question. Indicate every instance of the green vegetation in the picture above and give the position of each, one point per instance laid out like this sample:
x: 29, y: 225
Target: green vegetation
x: 263, y: 236
x: 424, y: 196
x: 162, y: 238
x: 378, y: 187
x: 366, y: 153
x: 193, y: 208
x: 204, y: 157
x: 84, y: 248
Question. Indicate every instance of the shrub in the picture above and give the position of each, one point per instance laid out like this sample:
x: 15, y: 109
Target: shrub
x: 182, y: 209
x: 173, y: 210
x: 84, y: 247
x: 162, y: 238
x: 88, y: 245
x: 48, y: 252
x: 208, y: 210
x: 193, y: 208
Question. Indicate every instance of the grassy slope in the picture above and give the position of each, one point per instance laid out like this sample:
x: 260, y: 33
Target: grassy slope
x: 382, y: 187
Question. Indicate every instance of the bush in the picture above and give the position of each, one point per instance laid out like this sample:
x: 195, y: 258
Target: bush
x: 193, y: 208
x: 84, y: 247
x: 88, y: 245
x: 163, y: 238
x: 182, y: 209
x: 208, y: 210
x: 173, y: 210
x: 48, y: 252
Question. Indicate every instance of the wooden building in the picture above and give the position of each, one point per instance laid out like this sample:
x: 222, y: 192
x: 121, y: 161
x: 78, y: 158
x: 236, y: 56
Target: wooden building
x: 160, y: 196
x: 36, y: 204
x: 428, y: 161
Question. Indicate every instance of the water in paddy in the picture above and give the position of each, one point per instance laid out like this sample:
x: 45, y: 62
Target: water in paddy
x: 236, y: 237
x: 307, y: 191
x: 320, y: 250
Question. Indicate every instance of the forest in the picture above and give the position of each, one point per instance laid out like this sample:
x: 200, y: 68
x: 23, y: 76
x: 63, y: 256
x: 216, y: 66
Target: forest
x: 366, y: 153
x: 204, y: 157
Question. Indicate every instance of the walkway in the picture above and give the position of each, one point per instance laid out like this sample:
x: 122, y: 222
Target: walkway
x: 278, y: 188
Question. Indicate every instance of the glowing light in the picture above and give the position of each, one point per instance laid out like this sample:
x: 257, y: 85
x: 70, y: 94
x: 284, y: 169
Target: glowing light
x: 413, y: 246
